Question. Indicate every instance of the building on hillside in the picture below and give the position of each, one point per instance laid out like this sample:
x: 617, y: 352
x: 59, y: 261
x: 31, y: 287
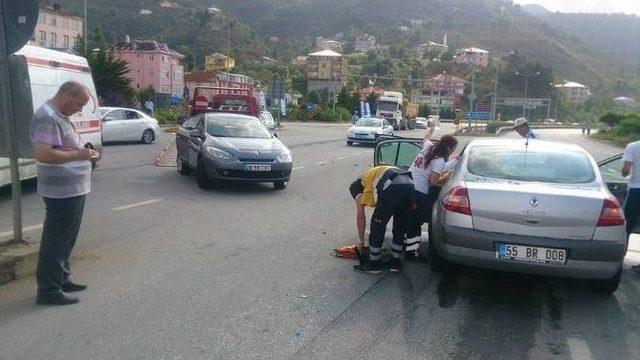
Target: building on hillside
x: 472, y: 56
x: 218, y: 61
x: 326, y: 70
x: 625, y: 101
x: 416, y: 23
x: 145, y: 12
x: 441, y: 91
x: 366, y: 91
x: 168, y: 4
x: 432, y: 47
x: 299, y: 60
x: 56, y: 29
x: 153, y: 64
x: 265, y: 61
x: 216, y: 79
x: 325, y: 44
x: 214, y: 11
x: 365, y: 43
x: 574, y: 92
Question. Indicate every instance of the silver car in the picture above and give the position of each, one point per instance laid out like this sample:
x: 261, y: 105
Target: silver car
x: 367, y: 130
x: 538, y: 207
x: 230, y: 147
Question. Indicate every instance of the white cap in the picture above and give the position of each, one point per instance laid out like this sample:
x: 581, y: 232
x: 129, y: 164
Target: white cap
x: 519, y: 121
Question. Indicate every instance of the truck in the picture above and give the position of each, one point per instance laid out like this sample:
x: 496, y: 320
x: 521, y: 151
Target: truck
x: 399, y: 113
x: 225, y: 92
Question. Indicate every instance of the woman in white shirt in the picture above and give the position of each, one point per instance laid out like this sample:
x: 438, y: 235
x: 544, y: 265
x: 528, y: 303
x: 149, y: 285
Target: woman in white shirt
x: 429, y: 172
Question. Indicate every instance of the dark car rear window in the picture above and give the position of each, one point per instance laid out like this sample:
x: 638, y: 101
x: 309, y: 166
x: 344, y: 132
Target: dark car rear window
x: 560, y: 167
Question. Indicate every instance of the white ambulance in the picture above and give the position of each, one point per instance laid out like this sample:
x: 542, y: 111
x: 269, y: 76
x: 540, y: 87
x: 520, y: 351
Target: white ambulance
x: 42, y: 71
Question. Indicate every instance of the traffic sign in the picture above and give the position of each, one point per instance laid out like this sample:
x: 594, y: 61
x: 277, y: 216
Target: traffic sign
x: 478, y: 115
x: 20, y: 18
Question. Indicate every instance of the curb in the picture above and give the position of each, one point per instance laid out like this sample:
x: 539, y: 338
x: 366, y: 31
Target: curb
x: 162, y: 153
x: 18, y: 261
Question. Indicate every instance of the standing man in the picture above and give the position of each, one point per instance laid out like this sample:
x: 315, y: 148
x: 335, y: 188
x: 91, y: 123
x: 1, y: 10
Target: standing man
x: 355, y: 117
x: 631, y: 167
x: 64, y: 178
x: 521, y: 126
x: 457, y: 119
x: 150, y: 106
x: 390, y: 191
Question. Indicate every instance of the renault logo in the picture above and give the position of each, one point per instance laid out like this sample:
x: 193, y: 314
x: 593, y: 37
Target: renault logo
x: 256, y: 153
x: 533, y: 201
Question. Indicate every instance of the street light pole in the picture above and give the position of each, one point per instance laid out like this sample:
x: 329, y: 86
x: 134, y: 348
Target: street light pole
x: 86, y: 27
x: 526, y: 89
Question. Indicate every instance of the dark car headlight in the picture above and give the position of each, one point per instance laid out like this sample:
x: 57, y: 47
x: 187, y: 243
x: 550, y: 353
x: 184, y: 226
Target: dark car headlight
x: 215, y: 153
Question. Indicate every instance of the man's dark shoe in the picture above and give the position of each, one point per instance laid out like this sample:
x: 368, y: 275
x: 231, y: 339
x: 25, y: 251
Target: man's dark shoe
x: 56, y: 299
x: 72, y: 287
x: 369, y: 267
x: 396, y: 265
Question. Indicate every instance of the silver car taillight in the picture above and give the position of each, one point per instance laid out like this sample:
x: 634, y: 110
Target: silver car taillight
x: 457, y: 200
x: 611, y: 214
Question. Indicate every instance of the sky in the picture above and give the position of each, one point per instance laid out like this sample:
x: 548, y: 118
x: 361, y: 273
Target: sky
x: 589, y: 6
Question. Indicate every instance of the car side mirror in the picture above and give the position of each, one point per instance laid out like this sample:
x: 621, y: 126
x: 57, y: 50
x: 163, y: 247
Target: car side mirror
x: 275, y: 134
x: 181, y: 120
x: 106, y: 118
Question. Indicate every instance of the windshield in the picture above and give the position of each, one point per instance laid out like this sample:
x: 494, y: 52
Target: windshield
x: 387, y: 106
x: 369, y: 122
x: 103, y: 112
x: 561, y: 167
x: 238, y: 127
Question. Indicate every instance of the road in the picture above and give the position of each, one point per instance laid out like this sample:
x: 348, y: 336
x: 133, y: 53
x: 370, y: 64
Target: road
x: 245, y: 272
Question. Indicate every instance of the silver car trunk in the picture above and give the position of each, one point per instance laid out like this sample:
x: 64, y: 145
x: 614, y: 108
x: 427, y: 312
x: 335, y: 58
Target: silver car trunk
x: 535, y: 209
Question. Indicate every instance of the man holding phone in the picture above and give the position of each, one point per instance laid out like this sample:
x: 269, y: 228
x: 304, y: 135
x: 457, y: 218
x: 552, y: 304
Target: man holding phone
x: 64, y: 178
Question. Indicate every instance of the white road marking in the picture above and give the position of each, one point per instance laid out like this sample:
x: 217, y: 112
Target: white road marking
x: 342, y: 157
x: 298, y: 168
x: 125, y: 207
x: 9, y: 234
x: 321, y: 163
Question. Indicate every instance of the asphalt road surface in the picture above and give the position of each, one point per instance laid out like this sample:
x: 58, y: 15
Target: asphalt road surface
x: 245, y: 272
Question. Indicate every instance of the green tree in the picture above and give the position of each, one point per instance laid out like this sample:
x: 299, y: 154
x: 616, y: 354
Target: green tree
x: 424, y: 110
x: 109, y: 74
x: 611, y: 119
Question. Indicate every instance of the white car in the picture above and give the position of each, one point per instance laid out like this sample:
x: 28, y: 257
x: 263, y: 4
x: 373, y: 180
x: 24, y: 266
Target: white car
x: 421, y: 122
x: 122, y: 124
x: 367, y: 130
x: 267, y: 120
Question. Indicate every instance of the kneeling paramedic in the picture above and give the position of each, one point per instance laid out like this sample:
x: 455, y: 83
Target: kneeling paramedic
x: 390, y: 191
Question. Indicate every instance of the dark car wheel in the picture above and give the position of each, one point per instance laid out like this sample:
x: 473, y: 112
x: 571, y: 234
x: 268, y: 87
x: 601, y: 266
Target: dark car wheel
x: 147, y: 136
x: 280, y: 185
x: 201, y: 174
x: 349, y: 143
x: 183, y: 169
x: 608, y: 286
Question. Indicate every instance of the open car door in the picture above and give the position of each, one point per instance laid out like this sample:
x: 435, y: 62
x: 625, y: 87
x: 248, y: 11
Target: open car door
x: 617, y: 184
x: 396, y: 151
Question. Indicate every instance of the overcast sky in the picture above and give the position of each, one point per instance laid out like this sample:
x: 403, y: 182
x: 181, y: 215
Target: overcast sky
x: 600, y: 6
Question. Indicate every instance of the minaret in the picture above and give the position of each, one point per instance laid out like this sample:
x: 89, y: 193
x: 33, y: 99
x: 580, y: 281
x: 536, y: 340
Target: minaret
x: 445, y: 40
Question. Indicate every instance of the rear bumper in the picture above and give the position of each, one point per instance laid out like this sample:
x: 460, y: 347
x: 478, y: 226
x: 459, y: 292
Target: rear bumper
x: 585, y: 259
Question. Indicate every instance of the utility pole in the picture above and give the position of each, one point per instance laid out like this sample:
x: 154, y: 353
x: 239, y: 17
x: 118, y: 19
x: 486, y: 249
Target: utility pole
x: 86, y: 28
x: 526, y: 89
x: 495, y: 94
x: 6, y: 114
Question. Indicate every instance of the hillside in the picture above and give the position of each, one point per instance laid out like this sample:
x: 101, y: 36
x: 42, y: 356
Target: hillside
x: 495, y: 25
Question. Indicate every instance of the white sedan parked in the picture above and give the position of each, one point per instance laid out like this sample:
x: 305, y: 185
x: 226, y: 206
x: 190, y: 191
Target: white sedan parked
x: 367, y: 130
x: 122, y: 124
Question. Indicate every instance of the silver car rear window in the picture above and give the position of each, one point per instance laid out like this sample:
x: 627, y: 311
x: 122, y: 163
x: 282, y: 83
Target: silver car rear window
x: 559, y: 167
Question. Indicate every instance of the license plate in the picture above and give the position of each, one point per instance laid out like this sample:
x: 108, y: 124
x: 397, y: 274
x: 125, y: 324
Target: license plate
x: 257, y: 167
x: 362, y: 136
x: 534, y: 254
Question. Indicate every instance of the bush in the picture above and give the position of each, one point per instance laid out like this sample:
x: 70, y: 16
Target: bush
x: 327, y: 115
x: 343, y: 114
x: 629, y: 126
x: 612, y: 119
x: 296, y: 114
x: 166, y: 115
x: 447, y: 114
x: 493, y: 126
x: 424, y: 110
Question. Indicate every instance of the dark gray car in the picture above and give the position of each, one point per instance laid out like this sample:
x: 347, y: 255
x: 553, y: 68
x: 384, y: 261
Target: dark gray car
x: 230, y: 147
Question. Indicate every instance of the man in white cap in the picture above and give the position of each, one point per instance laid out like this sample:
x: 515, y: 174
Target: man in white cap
x: 521, y: 126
